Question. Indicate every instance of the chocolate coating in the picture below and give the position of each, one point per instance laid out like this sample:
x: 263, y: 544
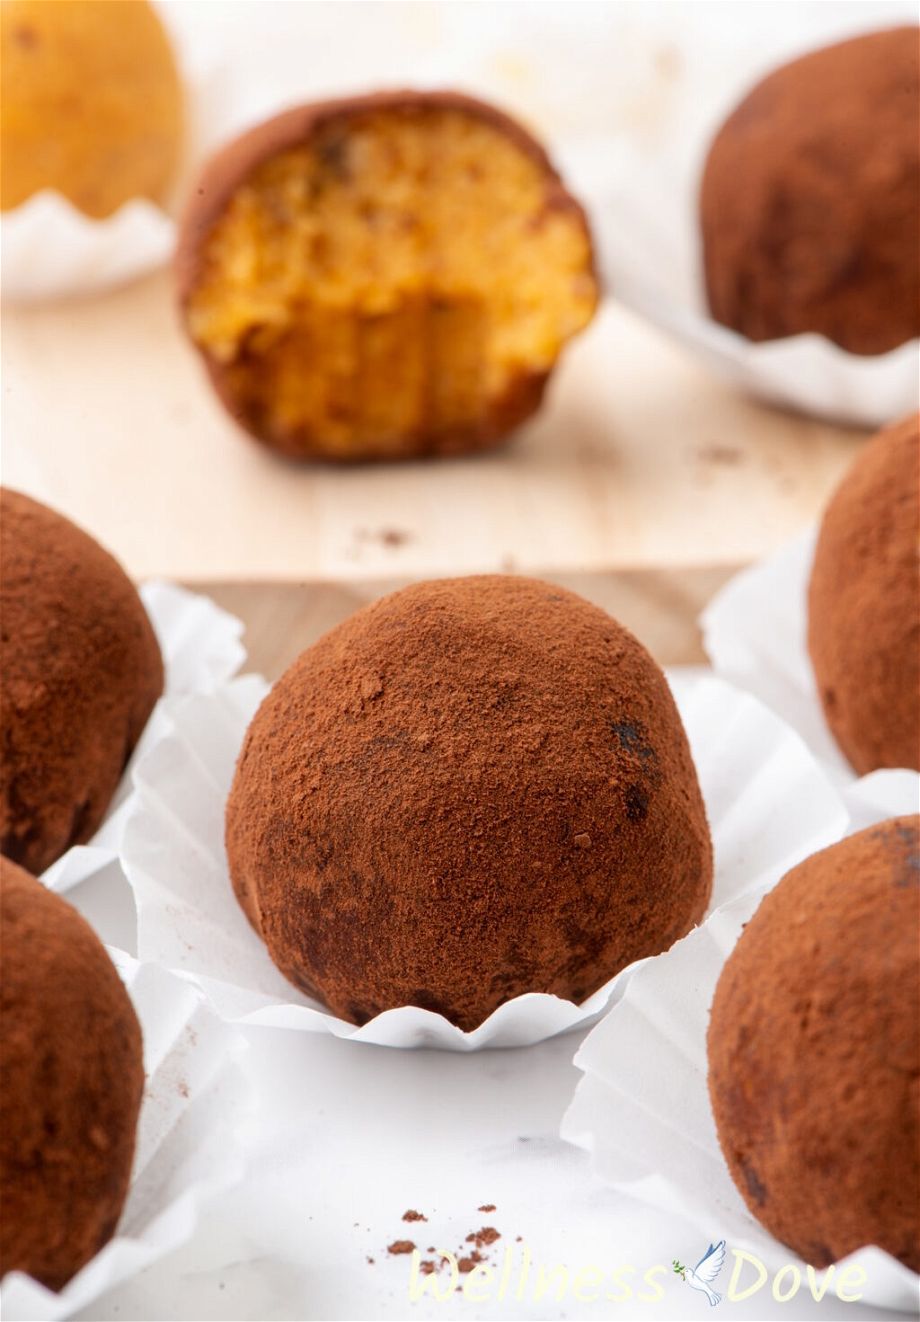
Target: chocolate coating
x: 471, y: 789
x: 72, y: 1064
x: 864, y: 604
x: 814, y: 1051
x: 80, y: 671
x: 810, y: 199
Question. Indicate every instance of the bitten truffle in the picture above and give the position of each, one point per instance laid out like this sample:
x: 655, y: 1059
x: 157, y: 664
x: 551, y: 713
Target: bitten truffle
x: 72, y: 1064
x: 90, y: 104
x: 814, y: 1051
x: 80, y: 671
x: 471, y: 789
x: 384, y: 277
x: 810, y: 200
x: 864, y: 604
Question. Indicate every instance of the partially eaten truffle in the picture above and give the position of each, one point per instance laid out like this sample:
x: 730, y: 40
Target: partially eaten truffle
x: 864, y: 604
x: 810, y: 201
x: 814, y: 1051
x: 80, y: 671
x: 72, y: 1064
x: 383, y: 277
x: 471, y: 789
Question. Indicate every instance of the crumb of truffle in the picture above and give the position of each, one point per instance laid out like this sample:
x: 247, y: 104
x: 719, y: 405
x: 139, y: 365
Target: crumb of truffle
x: 486, y: 1207
x: 401, y: 1246
x: 412, y: 1215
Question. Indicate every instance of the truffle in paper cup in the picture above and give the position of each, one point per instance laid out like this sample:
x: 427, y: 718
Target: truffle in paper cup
x: 646, y: 230
x: 755, y: 632
x: 195, y: 1098
x: 763, y: 793
x: 650, y: 1130
x: 201, y: 647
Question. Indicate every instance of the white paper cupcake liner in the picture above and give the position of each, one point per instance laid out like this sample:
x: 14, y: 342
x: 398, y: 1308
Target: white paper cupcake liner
x: 768, y: 805
x: 755, y: 635
x: 201, y: 646
x: 642, y: 1108
x: 195, y: 1099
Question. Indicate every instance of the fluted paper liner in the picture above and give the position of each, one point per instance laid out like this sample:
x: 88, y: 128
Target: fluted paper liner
x: 755, y: 635
x: 768, y: 803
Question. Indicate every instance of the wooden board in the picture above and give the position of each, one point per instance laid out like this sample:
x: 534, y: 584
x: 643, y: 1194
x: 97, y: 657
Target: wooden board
x: 641, y: 460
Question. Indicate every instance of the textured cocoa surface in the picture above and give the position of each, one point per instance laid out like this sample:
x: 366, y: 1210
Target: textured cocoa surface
x: 864, y: 604
x: 80, y: 671
x: 810, y: 199
x: 471, y: 789
x: 814, y: 1051
x: 72, y: 1066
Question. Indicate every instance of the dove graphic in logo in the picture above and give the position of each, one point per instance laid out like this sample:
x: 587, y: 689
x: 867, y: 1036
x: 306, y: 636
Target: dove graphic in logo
x: 705, y: 1272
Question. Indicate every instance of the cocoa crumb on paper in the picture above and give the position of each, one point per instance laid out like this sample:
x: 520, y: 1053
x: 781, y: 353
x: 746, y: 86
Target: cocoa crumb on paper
x: 401, y: 1246
x: 486, y: 1207
x: 412, y: 1215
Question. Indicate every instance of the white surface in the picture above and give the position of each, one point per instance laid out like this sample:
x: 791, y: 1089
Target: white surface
x: 195, y: 1100
x: 651, y: 1130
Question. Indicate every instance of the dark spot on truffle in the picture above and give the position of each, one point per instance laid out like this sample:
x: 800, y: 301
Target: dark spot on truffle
x: 636, y: 803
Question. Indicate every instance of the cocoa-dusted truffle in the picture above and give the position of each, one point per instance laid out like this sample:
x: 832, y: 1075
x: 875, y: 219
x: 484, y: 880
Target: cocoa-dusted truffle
x: 72, y: 1064
x: 810, y: 200
x: 864, y: 604
x: 471, y: 789
x: 80, y: 671
x: 383, y: 277
x: 814, y: 1051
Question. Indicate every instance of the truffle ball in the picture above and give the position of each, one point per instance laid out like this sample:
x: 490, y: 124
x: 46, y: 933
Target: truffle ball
x: 91, y: 103
x: 810, y: 199
x: 72, y: 1064
x: 814, y: 1051
x: 471, y: 789
x: 384, y: 277
x: 80, y: 671
x: 864, y: 604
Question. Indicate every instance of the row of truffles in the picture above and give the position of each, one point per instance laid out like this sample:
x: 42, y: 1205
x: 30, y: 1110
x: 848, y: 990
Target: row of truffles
x: 396, y: 275
x: 473, y: 789
x: 80, y: 671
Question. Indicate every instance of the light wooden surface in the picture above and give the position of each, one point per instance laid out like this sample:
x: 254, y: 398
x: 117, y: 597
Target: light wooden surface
x: 640, y: 460
x: 283, y: 618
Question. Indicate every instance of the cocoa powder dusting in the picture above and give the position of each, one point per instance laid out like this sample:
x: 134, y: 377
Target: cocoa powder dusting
x: 810, y: 198
x: 864, y: 604
x: 817, y: 1003
x: 430, y: 804
x: 80, y: 671
x: 72, y: 1065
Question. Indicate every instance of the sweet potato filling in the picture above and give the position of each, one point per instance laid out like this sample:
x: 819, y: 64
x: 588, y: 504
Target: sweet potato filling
x: 387, y: 285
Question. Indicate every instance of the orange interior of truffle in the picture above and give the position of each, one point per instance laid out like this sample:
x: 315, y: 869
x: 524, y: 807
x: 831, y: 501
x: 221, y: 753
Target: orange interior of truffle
x: 392, y: 277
